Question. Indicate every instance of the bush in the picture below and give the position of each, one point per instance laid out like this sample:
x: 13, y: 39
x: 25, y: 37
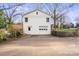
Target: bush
x: 14, y: 30
x: 2, y: 36
x: 66, y: 26
x: 56, y: 26
x: 15, y: 33
x: 65, y: 32
x: 77, y: 24
x: 2, y: 24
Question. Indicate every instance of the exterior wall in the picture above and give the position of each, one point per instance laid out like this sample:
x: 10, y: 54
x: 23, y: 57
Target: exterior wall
x: 34, y: 21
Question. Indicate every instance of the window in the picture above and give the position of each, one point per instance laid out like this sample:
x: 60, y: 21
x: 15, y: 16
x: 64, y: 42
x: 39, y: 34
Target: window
x: 26, y: 19
x: 29, y: 28
x: 47, y: 19
x: 36, y: 13
x: 43, y: 28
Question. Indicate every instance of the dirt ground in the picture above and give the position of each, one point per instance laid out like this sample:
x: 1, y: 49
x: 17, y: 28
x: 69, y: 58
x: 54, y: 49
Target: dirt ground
x: 41, y: 46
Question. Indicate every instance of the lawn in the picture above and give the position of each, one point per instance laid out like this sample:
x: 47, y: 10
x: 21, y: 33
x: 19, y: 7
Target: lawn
x: 69, y: 30
x: 65, y: 30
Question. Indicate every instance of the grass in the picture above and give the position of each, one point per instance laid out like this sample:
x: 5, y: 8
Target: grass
x: 70, y: 30
x: 65, y: 30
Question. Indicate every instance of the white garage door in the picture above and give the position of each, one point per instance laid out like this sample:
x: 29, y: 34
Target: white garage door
x: 44, y: 30
x: 39, y: 30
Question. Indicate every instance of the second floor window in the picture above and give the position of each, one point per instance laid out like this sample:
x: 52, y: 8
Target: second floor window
x: 26, y: 19
x: 36, y: 13
x: 47, y: 19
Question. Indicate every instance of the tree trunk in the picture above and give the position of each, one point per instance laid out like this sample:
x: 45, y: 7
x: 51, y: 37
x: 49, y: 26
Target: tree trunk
x: 55, y: 19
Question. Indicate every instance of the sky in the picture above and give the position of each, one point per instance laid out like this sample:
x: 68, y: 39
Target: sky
x: 72, y: 14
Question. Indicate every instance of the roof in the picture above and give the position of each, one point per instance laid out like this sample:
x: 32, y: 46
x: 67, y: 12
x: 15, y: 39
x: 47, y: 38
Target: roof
x: 34, y: 11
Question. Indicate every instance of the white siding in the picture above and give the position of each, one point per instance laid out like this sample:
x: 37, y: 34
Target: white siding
x: 34, y: 21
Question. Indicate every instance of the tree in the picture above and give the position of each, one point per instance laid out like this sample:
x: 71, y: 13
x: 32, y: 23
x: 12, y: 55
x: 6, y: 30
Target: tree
x: 77, y: 24
x: 77, y: 21
x: 2, y: 20
x: 59, y: 10
x: 10, y: 12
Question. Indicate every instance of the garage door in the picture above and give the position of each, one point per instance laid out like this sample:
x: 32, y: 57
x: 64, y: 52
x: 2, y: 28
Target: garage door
x: 44, y: 30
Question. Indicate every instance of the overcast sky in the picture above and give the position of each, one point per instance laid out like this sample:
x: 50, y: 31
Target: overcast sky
x: 73, y: 14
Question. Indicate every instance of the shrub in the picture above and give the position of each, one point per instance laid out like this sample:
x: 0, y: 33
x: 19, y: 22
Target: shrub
x: 56, y: 26
x: 77, y: 24
x: 66, y: 26
x: 65, y: 32
x: 2, y: 36
x: 2, y: 24
x: 15, y: 33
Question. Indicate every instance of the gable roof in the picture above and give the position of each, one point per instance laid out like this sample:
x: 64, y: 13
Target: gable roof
x: 36, y: 10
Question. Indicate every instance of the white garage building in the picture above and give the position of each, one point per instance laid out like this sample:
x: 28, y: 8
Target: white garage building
x: 37, y: 22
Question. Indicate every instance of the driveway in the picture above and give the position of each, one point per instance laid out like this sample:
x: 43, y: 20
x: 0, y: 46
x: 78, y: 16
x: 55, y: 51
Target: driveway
x: 41, y: 46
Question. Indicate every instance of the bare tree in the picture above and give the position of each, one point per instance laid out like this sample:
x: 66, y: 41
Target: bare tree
x: 10, y: 11
x: 59, y: 10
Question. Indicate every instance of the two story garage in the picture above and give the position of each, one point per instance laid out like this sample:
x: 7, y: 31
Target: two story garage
x: 37, y: 22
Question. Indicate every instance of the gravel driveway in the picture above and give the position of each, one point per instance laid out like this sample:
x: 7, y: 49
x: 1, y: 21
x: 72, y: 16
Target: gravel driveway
x: 41, y: 46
